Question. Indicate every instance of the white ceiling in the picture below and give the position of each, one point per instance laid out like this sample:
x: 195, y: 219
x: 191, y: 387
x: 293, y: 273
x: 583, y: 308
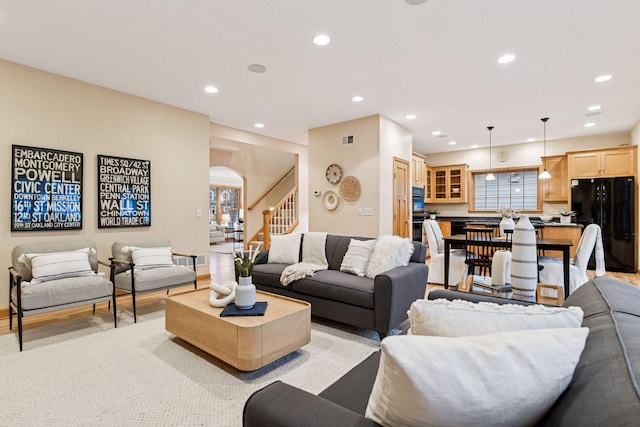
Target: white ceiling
x: 437, y: 60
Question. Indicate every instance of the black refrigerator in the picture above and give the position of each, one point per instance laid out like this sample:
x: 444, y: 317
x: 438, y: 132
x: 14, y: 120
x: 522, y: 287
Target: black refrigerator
x: 610, y: 203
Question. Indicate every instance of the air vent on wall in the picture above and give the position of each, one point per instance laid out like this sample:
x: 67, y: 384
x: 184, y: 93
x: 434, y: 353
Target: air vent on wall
x: 348, y: 140
x: 186, y: 261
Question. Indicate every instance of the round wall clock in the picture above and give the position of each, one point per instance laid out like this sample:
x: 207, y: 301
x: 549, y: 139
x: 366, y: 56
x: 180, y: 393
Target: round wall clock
x: 334, y: 173
x: 502, y: 156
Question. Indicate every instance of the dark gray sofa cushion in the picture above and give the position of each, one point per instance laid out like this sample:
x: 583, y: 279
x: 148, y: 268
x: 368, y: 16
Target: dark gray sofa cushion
x: 268, y: 274
x: 353, y: 389
x: 604, y: 389
x: 337, y: 286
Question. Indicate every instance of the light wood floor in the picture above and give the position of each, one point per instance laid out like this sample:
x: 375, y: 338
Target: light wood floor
x: 222, y: 269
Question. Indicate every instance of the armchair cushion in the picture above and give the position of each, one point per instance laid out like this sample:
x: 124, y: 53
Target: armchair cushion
x: 145, y: 258
x: 155, y: 278
x: 55, y: 293
x: 58, y: 265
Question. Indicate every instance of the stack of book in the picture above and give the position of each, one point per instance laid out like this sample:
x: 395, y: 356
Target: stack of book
x: 485, y: 283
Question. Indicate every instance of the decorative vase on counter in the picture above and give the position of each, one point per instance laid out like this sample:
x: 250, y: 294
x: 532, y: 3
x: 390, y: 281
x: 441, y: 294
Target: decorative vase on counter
x: 565, y: 219
x: 432, y: 216
x: 507, y: 223
x: 245, y: 293
x: 524, y: 260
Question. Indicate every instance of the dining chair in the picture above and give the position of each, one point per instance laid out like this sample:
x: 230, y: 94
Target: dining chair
x: 432, y: 237
x: 479, y: 255
x: 552, y: 272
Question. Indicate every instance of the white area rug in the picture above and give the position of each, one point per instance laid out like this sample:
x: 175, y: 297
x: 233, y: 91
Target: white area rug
x: 85, y: 372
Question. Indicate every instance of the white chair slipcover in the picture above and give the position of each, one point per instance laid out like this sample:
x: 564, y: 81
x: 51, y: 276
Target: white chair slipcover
x: 553, y: 272
x: 432, y: 237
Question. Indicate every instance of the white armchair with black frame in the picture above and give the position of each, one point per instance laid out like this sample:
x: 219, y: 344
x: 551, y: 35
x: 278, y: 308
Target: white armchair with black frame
x: 146, y: 265
x: 50, y: 276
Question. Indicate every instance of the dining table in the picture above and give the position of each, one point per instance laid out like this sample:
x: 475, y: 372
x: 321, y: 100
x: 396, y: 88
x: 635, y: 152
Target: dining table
x: 562, y: 245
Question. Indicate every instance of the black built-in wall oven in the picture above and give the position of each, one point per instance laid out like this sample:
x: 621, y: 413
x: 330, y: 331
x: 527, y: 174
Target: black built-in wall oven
x: 417, y: 194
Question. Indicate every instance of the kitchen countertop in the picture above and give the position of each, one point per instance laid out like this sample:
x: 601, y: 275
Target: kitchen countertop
x: 496, y: 220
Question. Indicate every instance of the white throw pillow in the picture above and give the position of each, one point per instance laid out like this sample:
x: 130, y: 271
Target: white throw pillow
x: 356, y: 259
x: 59, y: 265
x: 389, y: 252
x: 313, y: 248
x: 459, y: 318
x: 284, y: 249
x: 146, y: 258
x: 501, y: 379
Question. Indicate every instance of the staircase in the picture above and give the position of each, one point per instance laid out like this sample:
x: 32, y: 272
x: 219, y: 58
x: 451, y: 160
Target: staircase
x: 281, y: 217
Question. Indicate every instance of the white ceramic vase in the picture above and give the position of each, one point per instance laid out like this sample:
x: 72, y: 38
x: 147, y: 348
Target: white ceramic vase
x: 524, y: 260
x: 565, y: 219
x: 507, y: 223
x: 245, y: 293
x: 432, y: 216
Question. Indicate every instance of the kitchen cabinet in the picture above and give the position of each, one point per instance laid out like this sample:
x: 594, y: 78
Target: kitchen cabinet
x: 450, y: 184
x: 571, y: 232
x: 428, y: 183
x: 417, y: 171
x: 556, y: 188
x: 445, y: 227
x: 606, y: 162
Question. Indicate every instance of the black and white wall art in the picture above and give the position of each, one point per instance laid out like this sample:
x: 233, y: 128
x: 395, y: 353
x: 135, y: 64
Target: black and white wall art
x: 46, y: 192
x: 124, y: 192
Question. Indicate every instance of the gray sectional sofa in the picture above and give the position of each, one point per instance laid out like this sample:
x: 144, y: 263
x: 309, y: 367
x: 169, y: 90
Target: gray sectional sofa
x: 604, y: 390
x: 379, y: 304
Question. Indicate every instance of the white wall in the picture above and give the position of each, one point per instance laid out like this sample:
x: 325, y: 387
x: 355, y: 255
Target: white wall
x: 395, y: 142
x: 45, y: 110
x: 361, y: 160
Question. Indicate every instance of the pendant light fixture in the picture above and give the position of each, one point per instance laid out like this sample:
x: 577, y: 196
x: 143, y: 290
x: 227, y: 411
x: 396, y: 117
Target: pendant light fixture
x: 490, y: 176
x: 545, y: 174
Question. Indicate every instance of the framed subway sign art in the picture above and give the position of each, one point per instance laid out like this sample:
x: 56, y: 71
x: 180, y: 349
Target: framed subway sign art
x: 124, y: 192
x: 46, y: 192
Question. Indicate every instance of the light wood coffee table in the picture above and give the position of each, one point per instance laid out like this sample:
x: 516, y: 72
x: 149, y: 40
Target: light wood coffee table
x: 245, y: 342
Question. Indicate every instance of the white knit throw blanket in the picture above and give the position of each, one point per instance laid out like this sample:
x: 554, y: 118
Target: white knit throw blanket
x: 313, y: 259
x: 600, y: 268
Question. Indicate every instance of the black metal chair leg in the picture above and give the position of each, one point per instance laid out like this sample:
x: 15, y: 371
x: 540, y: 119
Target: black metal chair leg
x: 133, y: 298
x: 20, y: 330
x: 94, y: 309
x: 115, y: 318
x: 10, y: 317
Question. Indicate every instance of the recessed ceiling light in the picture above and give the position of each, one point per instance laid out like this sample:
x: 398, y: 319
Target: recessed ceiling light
x: 436, y: 133
x: 321, y: 40
x: 453, y: 142
x: 257, y: 68
x: 357, y: 99
x: 475, y: 146
x: 594, y: 108
x: 411, y: 116
x: 211, y: 89
x: 259, y: 125
x: 505, y: 59
x: 603, y: 78
x: 531, y: 139
x: 589, y: 125
x: 415, y: 2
